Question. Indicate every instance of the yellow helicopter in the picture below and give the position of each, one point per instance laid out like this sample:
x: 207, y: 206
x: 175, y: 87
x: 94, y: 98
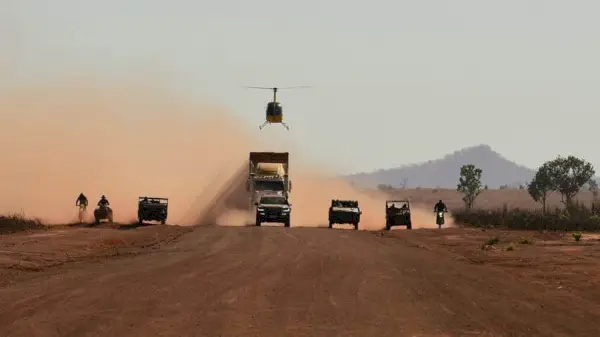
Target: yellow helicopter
x: 274, y: 111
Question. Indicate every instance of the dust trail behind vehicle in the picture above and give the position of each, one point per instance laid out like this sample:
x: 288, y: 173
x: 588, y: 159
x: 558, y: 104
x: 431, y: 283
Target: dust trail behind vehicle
x: 141, y: 138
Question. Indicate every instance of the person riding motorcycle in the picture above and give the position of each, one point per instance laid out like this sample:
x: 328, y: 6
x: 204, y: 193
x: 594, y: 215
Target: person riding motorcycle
x: 81, y: 200
x: 440, y: 207
x: 103, y: 201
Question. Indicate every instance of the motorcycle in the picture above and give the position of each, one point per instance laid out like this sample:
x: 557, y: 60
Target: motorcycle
x: 82, y: 208
x: 439, y: 218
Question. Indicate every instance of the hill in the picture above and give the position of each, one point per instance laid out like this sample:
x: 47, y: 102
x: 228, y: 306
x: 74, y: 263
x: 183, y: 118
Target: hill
x: 444, y: 172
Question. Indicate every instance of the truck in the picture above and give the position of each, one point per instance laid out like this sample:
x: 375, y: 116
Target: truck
x: 268, y: 173
x: 344, y: 212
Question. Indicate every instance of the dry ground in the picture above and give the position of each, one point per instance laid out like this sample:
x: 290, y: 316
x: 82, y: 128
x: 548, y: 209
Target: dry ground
x: 272, y: 281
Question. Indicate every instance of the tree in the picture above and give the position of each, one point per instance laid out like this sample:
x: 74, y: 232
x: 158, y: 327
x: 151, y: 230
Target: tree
x: 541, y: 185
x: 569, y: 175
x: 593, y: 187
x: 469, y: 184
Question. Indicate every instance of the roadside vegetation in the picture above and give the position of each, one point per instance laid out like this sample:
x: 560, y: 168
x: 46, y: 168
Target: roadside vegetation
x: 566, y: 176
x: 18, y: 223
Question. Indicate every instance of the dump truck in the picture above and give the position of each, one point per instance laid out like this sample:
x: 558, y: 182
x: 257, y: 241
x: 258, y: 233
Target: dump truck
x: 268, y: 173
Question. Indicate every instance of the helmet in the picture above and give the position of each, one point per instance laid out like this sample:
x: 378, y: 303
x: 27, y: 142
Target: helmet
x: 103, y: 197
x: 440, y: 201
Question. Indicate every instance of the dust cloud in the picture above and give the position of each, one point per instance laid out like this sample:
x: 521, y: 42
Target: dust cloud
x: 121, y: 141
x: 136, y: 139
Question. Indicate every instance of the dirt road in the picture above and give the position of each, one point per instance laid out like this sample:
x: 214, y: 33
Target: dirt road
x: 272, y: 281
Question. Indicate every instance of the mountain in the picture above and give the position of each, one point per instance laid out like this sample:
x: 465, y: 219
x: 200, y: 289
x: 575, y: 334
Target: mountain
x: 444, y: 172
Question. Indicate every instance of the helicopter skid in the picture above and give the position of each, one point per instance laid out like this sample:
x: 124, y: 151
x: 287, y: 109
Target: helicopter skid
x: 267, y: 122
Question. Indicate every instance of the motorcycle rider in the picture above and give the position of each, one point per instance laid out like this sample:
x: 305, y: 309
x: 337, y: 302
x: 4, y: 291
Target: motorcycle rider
x: 81, y: 200
x: 103, y: 201
x: 440, y: 207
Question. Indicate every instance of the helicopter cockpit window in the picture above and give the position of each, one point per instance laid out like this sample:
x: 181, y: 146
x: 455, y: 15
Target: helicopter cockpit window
x: 273, y: 109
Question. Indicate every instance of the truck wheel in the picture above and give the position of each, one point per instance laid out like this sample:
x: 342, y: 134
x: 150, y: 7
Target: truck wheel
x: 286, y: 223
x: 140, y: 221
x: 330, y: 224
x: 409, y: 226
x: 163, y: 222
x: 355, y: 226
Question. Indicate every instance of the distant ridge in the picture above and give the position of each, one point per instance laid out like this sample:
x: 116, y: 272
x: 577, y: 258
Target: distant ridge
x: 444, y: 172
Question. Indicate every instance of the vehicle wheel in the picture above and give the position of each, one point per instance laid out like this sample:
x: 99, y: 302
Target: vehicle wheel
x: 286, y: 223
x: 330, y: 224
x: 355, y: 226
x: 387, y: 225
x: 163, y: 222
x: 409, y: 226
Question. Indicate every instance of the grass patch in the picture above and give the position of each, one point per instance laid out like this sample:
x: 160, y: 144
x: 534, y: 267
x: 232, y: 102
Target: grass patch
x: 525, y: 241
x: 490, y: 243
x: 19, y: 223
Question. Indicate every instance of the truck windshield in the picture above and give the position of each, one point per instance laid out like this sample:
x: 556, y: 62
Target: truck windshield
x: 266, y: 185
x: 273, y: 201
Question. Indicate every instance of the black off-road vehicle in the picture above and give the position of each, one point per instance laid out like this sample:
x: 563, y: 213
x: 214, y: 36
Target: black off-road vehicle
x: 153, y: 209
x: 273, y: 208
x: 397, y: 213
x: 344, y: 212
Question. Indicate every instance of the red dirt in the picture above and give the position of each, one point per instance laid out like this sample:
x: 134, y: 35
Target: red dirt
x: 249, y: 281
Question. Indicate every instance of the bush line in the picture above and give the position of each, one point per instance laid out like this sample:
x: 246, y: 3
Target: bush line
x: 18, y: 223
x: 577, y: 217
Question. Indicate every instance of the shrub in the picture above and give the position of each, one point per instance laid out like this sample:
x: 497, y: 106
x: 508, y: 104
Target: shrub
x: 18, y: 223
x: 577, y: 218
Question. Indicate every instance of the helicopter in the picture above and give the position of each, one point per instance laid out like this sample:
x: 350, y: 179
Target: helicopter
x: 274, y: 111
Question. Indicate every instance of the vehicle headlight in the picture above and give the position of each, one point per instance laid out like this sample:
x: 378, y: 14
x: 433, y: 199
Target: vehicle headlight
x: 285, y: 210
x: 260, y: 209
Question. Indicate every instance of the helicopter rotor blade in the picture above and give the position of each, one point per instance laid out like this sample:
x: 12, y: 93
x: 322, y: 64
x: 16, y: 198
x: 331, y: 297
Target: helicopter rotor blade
x: 296, y: 87
x: 278, y: 88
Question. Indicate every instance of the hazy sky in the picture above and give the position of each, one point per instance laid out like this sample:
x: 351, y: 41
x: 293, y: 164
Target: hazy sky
x: 394, y: 82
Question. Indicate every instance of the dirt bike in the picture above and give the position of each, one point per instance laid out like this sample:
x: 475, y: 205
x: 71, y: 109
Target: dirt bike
x: 82, y: 208
x: 439, y: 218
